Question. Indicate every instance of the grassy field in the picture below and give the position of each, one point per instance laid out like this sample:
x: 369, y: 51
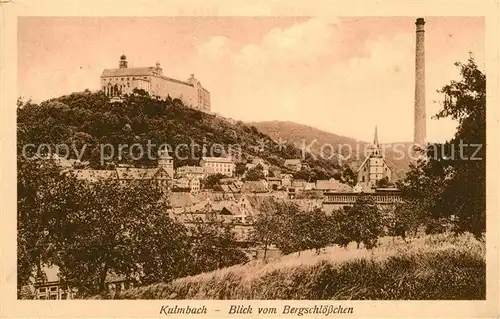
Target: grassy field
x: 432, y: 267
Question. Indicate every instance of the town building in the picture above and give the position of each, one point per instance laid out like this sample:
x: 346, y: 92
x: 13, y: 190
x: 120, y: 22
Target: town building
x: 293, y: 164
x: 286, y: 179
x: 190, y: 171
x: 51, y: 287
x: 124, y: 79
x: 381, y: 197
x: 332, y: 185
x: 94, y: 175
x: 274, y: 183
x: 220, y: 165
x: 158, y: 175
x: 192, y: 184
x: 52, y: 290
x: 254, y: 187
x: 374, y: 167
x: 182, y: 183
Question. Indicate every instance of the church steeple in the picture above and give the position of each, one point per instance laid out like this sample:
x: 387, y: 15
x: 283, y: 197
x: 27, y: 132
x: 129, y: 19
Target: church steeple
x: 375, y: 137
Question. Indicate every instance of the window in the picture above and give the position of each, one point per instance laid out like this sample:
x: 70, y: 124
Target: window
x: 42, y: 289
x: 42, y: 298
x: 53, y: 297
x: 53, y: 288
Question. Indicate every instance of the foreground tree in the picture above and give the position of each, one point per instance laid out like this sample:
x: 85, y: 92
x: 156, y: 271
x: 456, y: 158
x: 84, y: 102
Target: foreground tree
x: 44, y: 193
x: 119, y: 229
x: 451, y: 181
x: 212, y: 245
x: 283, y: 224
x: 92, y: 230
x: 361, y: 223
x: 406, y: 218
x: 265, y: 226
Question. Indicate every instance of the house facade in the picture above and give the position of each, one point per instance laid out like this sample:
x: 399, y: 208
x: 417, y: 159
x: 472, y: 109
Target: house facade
x: 218, y: 165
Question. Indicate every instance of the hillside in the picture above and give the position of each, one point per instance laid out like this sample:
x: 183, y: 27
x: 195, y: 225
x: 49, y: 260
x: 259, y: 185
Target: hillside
x: 444, y: 267
x: 300, y: 133
x: 95, y: 125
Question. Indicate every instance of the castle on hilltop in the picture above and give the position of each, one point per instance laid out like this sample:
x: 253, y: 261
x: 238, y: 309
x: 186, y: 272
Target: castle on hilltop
x: 123, y: 80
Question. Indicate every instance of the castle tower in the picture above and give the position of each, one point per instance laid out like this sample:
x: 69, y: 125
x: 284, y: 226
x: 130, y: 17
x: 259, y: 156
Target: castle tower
x: 192, y: 80
x: 419, y: 134
x: 123, y: 64
x: 158, y: 69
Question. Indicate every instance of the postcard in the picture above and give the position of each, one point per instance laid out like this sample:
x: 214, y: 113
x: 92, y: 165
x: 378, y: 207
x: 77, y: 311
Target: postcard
x: 237, y: 160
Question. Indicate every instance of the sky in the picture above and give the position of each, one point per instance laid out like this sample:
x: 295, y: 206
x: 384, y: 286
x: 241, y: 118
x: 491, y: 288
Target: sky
x: 339, y: 74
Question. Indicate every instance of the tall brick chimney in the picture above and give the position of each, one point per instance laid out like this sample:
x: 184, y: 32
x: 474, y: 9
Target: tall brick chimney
x: 419, y: 136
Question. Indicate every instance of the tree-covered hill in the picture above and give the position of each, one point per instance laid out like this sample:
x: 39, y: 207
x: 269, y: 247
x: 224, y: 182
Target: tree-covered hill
x: 92, y: 119
x: 395, y: 154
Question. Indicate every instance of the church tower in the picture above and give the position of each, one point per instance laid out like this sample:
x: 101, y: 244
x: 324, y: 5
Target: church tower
x: 166, y: 162
x: 374, y: 167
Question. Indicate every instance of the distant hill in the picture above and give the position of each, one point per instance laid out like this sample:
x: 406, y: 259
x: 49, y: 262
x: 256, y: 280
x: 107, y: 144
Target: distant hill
x: 301, y: 134
x: 94, y: 120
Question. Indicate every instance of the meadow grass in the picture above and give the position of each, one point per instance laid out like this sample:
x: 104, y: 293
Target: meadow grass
x: 444, y: 267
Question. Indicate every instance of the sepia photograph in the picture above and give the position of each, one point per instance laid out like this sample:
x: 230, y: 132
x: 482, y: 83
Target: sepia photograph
x: 243, y: 158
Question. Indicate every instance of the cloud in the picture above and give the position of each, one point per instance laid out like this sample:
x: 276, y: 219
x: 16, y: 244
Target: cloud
x: 297, y: 74
x: 215, y: 49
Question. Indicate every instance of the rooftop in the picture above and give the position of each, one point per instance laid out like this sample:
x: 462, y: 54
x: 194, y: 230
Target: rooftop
x: 217, y: 159
x: 254, y: 187
x: 140, y: 71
